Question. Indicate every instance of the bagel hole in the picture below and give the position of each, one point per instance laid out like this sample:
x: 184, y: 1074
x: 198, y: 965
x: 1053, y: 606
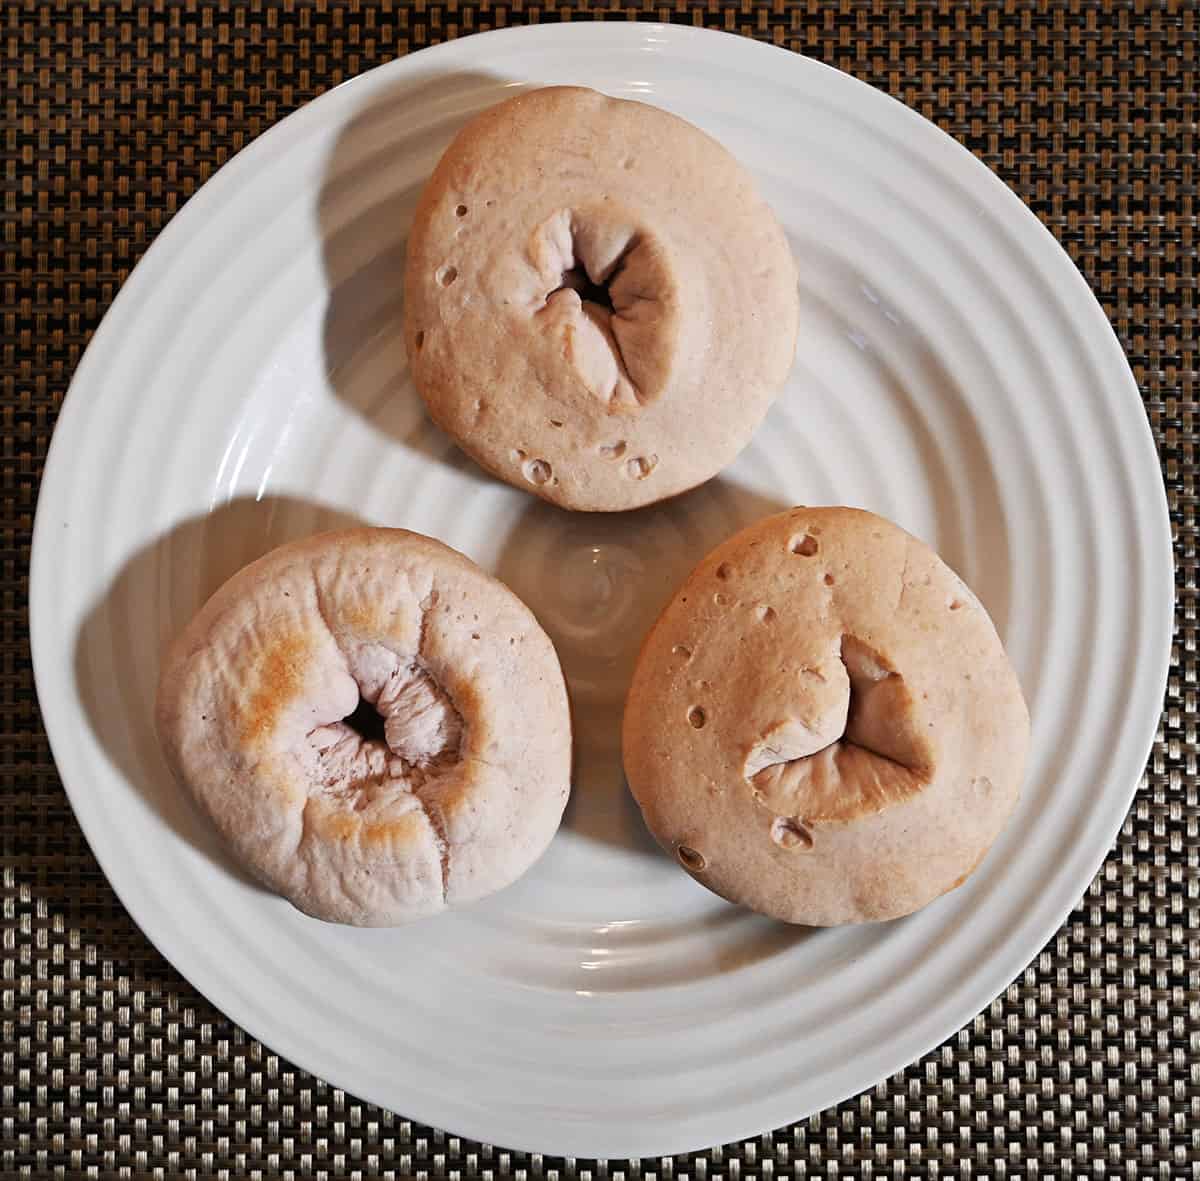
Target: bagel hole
x: 829, y: 580
x: 682, y: 651
x: 579, y: 281
x: 612, y: 450
x: 460, y: 211
x: 690, y: 859
x: 724, y: 570
x: 765, y: 614
x: 447, y: 275
x: 805, y: 546
x: 367, y: 722
x: 883, y: 754
x: 404, y: 727
x: 419, y: 340
x: 955, y: 604
x: 697, y: 717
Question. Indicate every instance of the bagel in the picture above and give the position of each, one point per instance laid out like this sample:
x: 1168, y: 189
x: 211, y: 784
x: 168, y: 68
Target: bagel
x: 599, y: 307
x: 823, y: 724
x: 461, y: 786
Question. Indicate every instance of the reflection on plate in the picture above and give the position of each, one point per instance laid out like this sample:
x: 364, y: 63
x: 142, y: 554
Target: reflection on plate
x: 954, y: 374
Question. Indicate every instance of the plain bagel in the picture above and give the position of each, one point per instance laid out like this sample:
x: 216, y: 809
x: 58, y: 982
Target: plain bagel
x: 599, y: 307
x: 461, y: 788
x: 823, y: 724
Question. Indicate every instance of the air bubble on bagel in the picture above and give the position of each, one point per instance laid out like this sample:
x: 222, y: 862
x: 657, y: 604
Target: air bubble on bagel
x: 537, y: 471
x: 640, y: 466
x: 788, y: 833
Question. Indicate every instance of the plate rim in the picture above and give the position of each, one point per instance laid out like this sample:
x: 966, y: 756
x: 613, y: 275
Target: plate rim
x: 1157, y: 651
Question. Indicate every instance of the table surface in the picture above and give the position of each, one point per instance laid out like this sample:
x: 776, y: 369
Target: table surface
x: 113, y: 114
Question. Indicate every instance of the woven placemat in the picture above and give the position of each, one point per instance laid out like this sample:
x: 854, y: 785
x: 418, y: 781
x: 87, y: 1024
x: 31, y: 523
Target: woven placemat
x: 112, y: 115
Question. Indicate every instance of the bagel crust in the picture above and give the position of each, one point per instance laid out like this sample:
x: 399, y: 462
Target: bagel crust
x: 543, y: 212
x: 823, y: 724
x: 465, y: 786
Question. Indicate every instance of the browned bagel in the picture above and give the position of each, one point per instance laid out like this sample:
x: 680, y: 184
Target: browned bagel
x: 456, y: 797
x: 823, y: 724
x: 599, y: 307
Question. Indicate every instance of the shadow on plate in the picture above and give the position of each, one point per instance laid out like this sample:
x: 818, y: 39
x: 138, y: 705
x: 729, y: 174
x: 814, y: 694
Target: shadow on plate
x: 597, y: 582
x: 373, y: 178
x: 976, y: 529
x: 121, y: 642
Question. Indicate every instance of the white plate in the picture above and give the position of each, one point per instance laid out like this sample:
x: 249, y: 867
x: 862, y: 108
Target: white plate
x: 248, y: 385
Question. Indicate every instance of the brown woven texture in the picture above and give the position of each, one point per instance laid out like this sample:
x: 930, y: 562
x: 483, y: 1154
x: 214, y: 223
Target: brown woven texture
x: 112, y: 114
